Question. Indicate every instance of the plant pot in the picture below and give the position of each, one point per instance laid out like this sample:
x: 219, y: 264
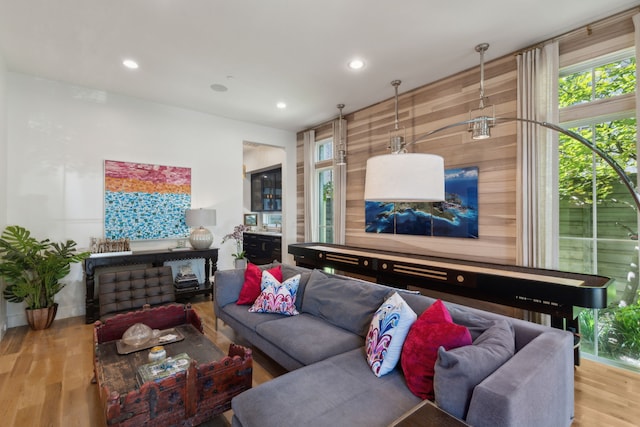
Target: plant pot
x: 241, y: 263
x: 41, y: 318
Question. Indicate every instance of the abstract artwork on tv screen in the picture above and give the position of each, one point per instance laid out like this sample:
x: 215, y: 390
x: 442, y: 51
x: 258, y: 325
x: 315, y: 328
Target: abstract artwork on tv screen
x: 144, y: 201
x: 457, y: 216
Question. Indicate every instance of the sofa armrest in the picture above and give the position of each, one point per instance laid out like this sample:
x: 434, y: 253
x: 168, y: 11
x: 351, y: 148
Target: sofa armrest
x: 533, y: 388
x: 227, y: 285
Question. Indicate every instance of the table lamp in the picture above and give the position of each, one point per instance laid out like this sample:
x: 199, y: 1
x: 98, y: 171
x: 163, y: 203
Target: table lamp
x: 200, y: 238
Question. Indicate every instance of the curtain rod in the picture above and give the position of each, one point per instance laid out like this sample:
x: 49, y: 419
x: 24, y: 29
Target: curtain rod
x: 627, y: 14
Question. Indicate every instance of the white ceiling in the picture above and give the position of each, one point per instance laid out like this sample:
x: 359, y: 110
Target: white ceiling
x: 266, y: 51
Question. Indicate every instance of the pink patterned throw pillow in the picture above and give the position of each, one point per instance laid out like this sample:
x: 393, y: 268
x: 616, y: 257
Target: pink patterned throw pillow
x: 277, y: 297
x: 387, y: 332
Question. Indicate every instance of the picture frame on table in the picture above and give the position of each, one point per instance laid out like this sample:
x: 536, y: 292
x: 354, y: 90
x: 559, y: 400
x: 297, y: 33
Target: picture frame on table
x: 251, y: 220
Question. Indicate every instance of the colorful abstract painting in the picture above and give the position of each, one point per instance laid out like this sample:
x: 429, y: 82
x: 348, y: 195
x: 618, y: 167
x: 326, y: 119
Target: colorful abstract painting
x: 145, y: 202
x: 457, y: 216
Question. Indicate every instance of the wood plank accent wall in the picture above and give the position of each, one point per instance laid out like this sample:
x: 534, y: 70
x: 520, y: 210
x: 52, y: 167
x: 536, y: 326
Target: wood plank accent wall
x: 424, y: 109
x: 299, y: 188
x: 444, y: 102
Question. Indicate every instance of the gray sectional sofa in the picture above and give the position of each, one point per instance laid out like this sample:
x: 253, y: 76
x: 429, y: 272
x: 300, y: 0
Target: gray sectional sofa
x: 330, y: 383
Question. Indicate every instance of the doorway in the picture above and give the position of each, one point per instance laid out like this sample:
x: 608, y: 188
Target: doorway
x: 257, y: 158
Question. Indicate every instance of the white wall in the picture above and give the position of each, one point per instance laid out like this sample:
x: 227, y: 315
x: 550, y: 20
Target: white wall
x: 262, y: 157
x: 3, y: 177
x: 59, y: 136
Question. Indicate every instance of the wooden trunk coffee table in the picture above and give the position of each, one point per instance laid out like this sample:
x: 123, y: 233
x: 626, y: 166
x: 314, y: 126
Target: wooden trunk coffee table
x: 187, y: 398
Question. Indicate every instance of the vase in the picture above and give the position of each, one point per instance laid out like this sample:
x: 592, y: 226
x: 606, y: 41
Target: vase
x: 241, y: 263
x: 41, y: 318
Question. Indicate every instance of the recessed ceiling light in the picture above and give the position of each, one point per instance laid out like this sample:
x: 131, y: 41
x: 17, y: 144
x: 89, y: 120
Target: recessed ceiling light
x: 356, y: 64
x: 130, y: 63
x: 281, y: 105
x: 218, y: 87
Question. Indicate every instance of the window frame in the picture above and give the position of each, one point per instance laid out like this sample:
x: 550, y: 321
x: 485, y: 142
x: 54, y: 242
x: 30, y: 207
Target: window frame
x: 591, y: 113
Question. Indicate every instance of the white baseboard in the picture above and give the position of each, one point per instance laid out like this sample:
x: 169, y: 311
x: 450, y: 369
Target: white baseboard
x: 20, y: 318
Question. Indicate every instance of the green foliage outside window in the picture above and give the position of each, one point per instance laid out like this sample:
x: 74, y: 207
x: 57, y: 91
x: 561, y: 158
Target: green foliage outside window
x: 616, y: 78
x: 614, y: 332
x: 617, y: 138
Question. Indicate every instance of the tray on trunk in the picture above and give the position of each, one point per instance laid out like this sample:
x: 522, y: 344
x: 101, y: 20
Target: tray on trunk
x: 164, y: 337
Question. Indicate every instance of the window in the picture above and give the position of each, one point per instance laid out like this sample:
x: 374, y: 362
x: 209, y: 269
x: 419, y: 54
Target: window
x: 324, y: 150
x: 323, y: 174
x: 272, y: 219
x: 598, y: 218
x: 603, y: 78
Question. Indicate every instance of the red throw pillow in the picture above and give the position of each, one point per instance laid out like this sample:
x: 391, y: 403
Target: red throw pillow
x: 252, y: 278
x: 434, y: 328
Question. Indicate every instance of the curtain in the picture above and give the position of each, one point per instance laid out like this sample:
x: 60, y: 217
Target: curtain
x: 538, y: 223
x: 309, y: 188
x: 537, y: 99
x: 339, y: 184
x: 636, y: 25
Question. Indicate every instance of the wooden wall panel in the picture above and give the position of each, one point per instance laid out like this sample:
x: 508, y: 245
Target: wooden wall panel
x: 300, y: 187
x: 424, y: 109
x: 616, y: 30
x: 448, y: 101
x: 420, y: 111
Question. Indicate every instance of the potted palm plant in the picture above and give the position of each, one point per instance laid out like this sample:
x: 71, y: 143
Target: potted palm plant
x: 32, y: 270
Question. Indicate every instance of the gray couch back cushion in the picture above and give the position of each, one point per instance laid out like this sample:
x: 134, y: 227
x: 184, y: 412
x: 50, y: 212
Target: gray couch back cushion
x: 477, y: 321
x: 288, y: 271
x: 343, y: 302
x: 460, y: 370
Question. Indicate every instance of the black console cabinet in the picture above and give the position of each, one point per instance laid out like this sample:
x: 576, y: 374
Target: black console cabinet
x: 262, y: 248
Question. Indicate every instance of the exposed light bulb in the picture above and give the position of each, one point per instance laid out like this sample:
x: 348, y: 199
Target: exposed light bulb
x: 130, y: 64
x: 356, y: 64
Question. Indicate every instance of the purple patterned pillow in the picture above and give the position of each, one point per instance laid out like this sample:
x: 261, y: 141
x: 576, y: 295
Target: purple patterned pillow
x: 277, y: 297
x: 387, y: 332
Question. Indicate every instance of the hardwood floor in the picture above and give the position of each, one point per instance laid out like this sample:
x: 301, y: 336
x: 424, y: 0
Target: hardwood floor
x: 45, y: 378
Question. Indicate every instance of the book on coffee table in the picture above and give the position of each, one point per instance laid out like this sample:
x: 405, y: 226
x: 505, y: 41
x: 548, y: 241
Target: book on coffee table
x: 156, y: 371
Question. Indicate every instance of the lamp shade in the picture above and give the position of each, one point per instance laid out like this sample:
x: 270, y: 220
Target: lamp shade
x: 405, y: 177
x: 200, y: 217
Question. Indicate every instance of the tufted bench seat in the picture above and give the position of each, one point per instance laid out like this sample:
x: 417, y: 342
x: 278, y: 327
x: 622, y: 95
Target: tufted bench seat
x: 128, y: 290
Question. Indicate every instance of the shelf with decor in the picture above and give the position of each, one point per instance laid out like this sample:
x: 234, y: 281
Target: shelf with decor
x: 266, y: 190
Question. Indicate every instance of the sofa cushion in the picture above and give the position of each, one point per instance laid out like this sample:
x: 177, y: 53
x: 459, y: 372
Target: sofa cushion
x: 341, y: 301
x: 252, y: 283
x: 339, y: 391
x: 226, y: 287
x: 307, y: 338
x: 276, y: 297
x: 387, y: 332
x: 460, y: 370
x: 288, y: 271
x: 250, y: 320
x: 434, y: 328
x: 473, y: 320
